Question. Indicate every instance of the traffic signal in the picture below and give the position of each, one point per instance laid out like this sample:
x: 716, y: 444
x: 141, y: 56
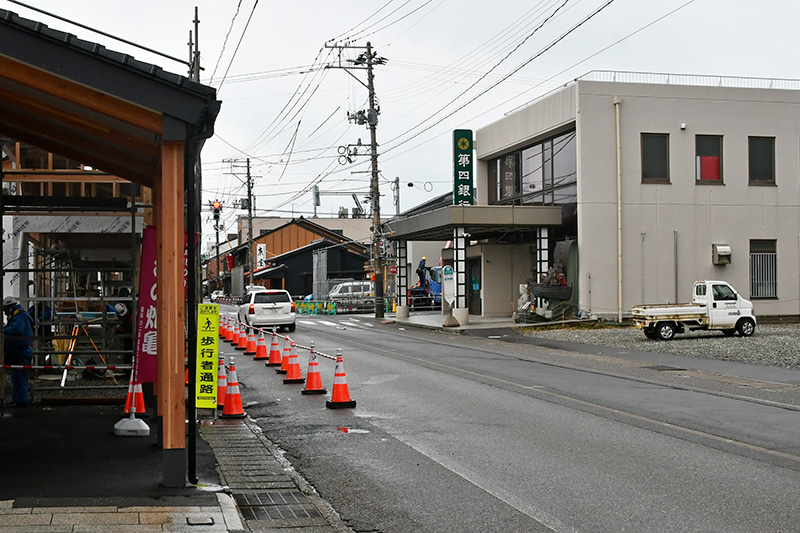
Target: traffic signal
x: 216, y: 206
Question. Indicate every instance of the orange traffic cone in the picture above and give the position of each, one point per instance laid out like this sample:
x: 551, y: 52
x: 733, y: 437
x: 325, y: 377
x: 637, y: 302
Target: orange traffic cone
x: 221, y: 328
x: 340, y: 399
x: 135, y: 399
x: 293, y: 373
x: 242, y: 345
x: 251, y: 342
x: 274, y: 351
x: 314, y: 383
x: 233, y: 399
x: 222, y: 384
x: 261, y: 346
x: 233, y: 331
x: 227, y: 331
x: 285, y: 361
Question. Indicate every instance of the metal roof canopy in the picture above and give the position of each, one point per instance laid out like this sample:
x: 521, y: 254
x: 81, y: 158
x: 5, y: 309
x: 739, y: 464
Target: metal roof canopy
x: 80, y: 100
x: 479, y: 221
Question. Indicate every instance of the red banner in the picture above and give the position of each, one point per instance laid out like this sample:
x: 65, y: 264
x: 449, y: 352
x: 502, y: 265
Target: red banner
x: 145, y: 368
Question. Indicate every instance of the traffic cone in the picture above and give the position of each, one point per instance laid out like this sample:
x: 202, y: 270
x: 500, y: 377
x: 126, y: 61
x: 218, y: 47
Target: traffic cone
x: 242, y: 344
x: 251, y: 342
x: 261, y: 346
x: 233, y: 399
x: 222, y: 384
x: 233, y: 331
x: 285, y: 360
x: 135, y: 399
x: 314, y: 381
x: 340, y: 399
x: 274, y: 351
x: 221, y: 328
x: 293, y: 373
x: 227, y: 331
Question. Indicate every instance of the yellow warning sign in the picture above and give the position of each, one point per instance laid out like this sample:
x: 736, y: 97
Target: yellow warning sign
x: 207, y: 355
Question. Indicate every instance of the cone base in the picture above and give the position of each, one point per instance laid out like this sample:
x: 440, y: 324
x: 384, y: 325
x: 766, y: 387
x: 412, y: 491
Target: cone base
x: 237, y: 348
x: 272, y: 364
x: 279, y: 371
x: 295, y: 380
x: 242, y: 415
x: 314, y: 391
x: 340, y: 405
x: 249, y: 353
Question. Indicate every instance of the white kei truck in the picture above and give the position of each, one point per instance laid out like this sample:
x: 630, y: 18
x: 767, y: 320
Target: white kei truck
x: 715, y: 305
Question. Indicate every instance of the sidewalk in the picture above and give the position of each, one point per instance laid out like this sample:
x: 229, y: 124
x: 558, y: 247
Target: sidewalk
x: 65, y: 471
x: 435, y: 320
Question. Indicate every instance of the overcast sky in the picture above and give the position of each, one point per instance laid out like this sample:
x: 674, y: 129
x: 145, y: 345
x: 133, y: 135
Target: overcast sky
x: 288, y: 114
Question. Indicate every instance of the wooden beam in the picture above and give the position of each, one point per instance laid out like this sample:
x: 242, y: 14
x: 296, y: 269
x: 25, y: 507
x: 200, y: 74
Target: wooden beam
x: 80, y: 94
x: 171, y: 308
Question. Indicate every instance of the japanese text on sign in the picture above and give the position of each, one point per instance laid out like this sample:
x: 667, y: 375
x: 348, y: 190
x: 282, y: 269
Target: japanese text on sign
x: 207, y: 355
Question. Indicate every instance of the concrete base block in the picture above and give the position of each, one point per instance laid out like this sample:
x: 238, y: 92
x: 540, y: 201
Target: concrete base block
x: 462, y: 315
x: 402, y: 312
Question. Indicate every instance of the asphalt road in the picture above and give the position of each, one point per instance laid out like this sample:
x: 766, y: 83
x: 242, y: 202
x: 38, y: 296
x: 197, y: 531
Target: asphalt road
x: 467, y: 434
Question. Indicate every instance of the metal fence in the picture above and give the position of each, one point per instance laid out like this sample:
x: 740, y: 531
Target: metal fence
x: 691, y: 79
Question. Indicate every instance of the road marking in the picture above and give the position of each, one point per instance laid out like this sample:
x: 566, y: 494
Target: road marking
x: 326, y: 323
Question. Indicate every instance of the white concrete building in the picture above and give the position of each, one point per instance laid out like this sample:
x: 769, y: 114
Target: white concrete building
x: 662, y: 180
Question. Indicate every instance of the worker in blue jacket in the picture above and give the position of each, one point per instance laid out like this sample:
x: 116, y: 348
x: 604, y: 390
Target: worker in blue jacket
x: 18, y: 348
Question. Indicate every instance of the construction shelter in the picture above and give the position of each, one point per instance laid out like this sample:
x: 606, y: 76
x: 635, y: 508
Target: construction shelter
x: 139, y: 123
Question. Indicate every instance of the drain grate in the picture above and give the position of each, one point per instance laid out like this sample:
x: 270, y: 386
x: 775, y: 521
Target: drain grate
x: 275, y: 505
x: 664, y: 368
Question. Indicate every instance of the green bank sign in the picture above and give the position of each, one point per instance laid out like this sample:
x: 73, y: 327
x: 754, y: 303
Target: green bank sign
x: 462, y: 167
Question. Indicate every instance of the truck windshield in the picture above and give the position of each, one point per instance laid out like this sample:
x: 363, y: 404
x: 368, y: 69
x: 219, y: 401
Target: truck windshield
x: 723, y: 292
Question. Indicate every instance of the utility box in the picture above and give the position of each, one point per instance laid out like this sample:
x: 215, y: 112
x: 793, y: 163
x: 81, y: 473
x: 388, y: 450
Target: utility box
x: 721, y: 254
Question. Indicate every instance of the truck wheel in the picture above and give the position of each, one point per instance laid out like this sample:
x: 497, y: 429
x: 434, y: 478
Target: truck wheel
x: 650, y: 333
x: 745, y: 327
x: 665, y: 331
x: 729, y: 332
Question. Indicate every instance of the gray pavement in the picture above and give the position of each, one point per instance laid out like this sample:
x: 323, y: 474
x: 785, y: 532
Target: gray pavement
x: 64, y: 470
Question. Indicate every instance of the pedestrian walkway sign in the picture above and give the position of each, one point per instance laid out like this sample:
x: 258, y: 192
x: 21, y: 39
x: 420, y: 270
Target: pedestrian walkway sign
x: 207, y: 356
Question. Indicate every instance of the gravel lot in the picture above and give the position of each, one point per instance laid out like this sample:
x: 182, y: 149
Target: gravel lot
x: 770, y: 345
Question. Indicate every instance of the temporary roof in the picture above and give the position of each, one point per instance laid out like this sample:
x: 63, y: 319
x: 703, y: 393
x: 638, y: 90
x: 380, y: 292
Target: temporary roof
x: 103, y: 108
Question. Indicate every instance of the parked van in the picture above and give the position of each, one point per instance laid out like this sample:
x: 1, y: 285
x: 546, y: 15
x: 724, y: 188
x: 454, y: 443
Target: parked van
x: 355, y: 292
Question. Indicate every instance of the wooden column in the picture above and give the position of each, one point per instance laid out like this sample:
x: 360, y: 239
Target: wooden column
x: 171, y: 312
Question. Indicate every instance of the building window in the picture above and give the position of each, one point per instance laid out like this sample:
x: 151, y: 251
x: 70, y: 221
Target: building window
x: 761, y: 160
x: 655, y: 158
x: 708, y: 149
x: 763, y: 269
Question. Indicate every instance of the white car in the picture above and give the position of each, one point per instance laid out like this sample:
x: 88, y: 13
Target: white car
x: 215, y: 296
x: 268, y: 307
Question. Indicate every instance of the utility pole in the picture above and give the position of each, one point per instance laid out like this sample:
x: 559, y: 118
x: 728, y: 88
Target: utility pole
x: 249, y: 206
x: 366, y: 61
x: 249, y: 223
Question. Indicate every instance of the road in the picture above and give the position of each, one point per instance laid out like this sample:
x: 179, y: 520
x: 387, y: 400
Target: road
x: 455, y: 433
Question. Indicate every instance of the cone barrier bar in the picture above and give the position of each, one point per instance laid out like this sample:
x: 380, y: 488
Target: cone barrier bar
x: 135, y: 399
x: 242, y: 344
x: 222, y: 384
x: 340, y: 398
x: 285, y: 360
x: 67, y: 367
x: 293, y: 372
x: 274, y: 351
x: 233, y: 398
x: 251, y: 342
x: 261, y: 346
x: 313, y: 380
